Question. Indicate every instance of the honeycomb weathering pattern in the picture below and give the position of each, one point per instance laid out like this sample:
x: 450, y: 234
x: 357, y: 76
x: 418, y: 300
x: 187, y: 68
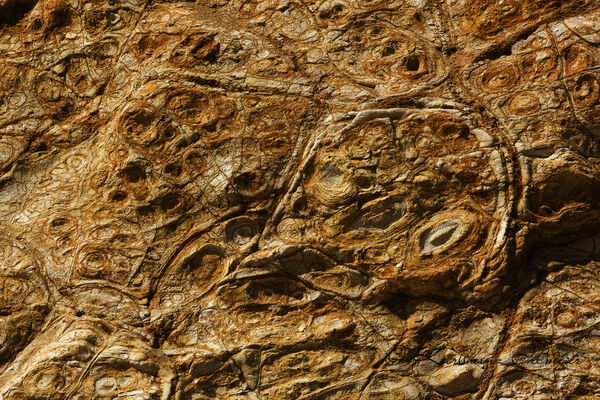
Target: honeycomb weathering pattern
x: 303, y: 199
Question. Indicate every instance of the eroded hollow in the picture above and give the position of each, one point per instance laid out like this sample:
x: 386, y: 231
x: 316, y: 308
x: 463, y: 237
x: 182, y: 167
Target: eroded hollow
x: 202, y: 266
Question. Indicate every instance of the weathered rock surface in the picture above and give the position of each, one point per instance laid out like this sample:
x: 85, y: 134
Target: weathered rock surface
x: 299, y: 199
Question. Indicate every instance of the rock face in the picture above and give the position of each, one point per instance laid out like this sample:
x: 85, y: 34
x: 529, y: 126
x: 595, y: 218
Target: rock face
x: 303, y: 199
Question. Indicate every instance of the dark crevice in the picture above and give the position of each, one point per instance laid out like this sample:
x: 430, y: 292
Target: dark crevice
x: 412, y: 63
x: 504, y: 48
x: 13, y: 11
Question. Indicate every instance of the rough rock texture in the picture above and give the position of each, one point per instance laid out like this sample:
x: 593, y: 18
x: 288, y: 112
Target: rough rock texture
x: 303, y: 199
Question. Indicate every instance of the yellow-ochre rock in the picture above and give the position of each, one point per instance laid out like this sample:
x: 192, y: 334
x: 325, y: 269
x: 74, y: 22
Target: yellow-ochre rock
x: 455, y: 379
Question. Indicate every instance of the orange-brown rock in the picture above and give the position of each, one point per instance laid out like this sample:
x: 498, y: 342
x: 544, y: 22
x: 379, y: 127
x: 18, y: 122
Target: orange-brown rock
x: 299, y: 199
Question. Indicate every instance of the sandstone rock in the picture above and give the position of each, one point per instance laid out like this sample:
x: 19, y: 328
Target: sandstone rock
x: 456, y: 379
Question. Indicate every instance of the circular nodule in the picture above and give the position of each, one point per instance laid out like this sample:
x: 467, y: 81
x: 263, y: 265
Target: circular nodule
x: 524, y: 103
x: 251, y: 184
x: 139, y: 125
x: 565, y: 319
x: 443, y: 232
x: 499, y: 77
x: 383, y: 55
x: 439, y: 235
x: 585, y: 91
x: 106, y: 385
x: 331, y: 184
x: 241, y: 230
x: 523, y: 387
x: 203, y: 265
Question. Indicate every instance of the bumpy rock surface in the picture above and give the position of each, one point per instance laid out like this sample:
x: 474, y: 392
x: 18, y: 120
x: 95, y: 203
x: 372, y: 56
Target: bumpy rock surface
x: 299, y: 199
